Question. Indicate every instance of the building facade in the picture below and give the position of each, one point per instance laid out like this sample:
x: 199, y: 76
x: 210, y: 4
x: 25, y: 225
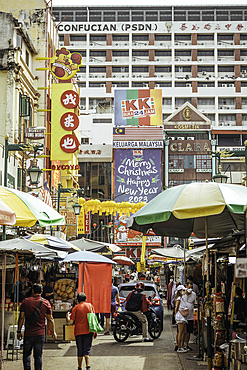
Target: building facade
x: 194, y: 54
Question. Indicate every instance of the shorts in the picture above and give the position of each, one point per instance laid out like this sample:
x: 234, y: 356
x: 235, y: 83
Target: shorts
x: 190, y: 326
x: 84, y: 343
x: 113, y: 310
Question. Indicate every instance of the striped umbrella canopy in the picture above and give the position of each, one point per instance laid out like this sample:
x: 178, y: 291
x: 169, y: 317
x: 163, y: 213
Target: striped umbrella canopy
x: 52, y: 242
x: 181, y: 210
x: 7, y: 216
x: 29, y: 209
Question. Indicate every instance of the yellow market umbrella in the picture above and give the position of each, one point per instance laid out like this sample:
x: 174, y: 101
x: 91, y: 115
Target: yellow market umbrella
x: 29, y: 209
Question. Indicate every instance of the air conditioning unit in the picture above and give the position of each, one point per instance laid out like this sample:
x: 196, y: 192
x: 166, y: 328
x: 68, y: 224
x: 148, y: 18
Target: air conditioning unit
x: 157, y: 85
x: 176, y: 43
x: 114, y: 85
x: 145, y: 85
x: 157, y: 60
x: 135, y: 44
x: 91, y: 44
x: 224, y: 85
x: 134, y: 59
x: 227, y: 76
x: 126, y: 44
x: 200, y: 59
x: 222, y: 77
x: 145, y: 44
x: 102, y: 85
x: 219, y: 43
x: 188, y: 85
x: 231, y: 85
x: 221, y: 107
x: 91, y: 60
x: 219, y: 59
x: 180, y: 138
x: 72, y: 44
x: 244, y: 71
x: 90, y: 76
x: 242, y: 59
x: 123, y: 76
x: 61, y: 43
x: 116, y: 44
x: 227, y: 123
x: 114, y: 76
x: 161, y: 44
x: 221, y: 123
x: 190, y: 138
x: 82, y: 107
x: 188, y: 59
x: 204, y: 73
x: 171, y: 138
x: 115, y: 60
x: 210, y: 76
x: 204, y: 85
x: 227, y: 107
x: 92, y: 107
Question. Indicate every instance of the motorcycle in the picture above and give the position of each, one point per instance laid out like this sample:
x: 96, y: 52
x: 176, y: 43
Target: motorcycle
x: 126, y: 324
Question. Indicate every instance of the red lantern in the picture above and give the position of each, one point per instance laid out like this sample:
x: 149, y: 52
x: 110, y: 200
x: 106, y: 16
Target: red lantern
x: 110, y: 223
x: 94, y: 225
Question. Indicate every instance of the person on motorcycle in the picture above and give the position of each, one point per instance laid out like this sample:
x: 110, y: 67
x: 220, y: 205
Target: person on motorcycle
x: 137, y: 303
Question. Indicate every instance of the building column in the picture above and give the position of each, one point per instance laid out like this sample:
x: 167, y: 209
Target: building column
x: 213, y: 143
x: 166, y: 142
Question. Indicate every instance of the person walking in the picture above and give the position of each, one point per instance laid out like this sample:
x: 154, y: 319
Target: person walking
x: 181, y: 320
x: 190, y: 299
x: 114, y: 301
x: 137, y: 303
x: 83, y: 337
x: 34, y: 335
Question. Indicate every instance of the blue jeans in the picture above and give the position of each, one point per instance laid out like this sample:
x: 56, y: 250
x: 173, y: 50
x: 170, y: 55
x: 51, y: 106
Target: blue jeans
x: 36, y: 343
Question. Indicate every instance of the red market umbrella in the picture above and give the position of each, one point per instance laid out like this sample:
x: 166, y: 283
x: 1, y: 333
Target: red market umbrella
x: 122, y: 260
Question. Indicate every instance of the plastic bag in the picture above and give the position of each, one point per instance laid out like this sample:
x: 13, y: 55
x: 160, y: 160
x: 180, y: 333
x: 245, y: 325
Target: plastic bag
x: 94, y: 326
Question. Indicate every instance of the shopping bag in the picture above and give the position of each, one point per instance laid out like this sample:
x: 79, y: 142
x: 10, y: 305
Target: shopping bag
x: 94, y: 326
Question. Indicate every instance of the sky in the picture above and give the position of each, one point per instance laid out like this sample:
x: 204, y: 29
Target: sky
x: 146, y: 2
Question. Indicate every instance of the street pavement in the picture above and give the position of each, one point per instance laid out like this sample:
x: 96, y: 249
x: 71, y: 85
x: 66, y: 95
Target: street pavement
x: 107, y: 354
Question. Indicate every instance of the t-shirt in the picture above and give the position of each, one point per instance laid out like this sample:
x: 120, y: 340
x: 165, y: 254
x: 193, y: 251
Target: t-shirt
x: 79, y: 315
x: 114, y: 292
x: 28, y: 306
x: 190, y: 302
x: 48, y: 289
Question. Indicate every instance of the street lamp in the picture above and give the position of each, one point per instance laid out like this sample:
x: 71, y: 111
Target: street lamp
x: 219, y: 177
x: 34, y: 173
x: 77, y: 209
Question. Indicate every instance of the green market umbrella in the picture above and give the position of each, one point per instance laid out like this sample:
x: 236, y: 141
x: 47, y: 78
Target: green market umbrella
x: 181, y: 210
x: 29, y: 209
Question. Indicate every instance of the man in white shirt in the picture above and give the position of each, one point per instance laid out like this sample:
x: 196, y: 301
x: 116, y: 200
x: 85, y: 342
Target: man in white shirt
x: 190, y: 299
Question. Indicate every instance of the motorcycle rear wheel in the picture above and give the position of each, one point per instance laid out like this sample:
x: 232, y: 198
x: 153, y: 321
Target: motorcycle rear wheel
x: 155, y: 329
x: 120, y: 335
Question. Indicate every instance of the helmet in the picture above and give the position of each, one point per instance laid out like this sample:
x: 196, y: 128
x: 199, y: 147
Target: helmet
x: 140, y: 286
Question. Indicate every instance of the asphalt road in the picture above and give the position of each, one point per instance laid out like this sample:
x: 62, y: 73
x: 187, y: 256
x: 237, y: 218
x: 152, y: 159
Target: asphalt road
x: 107, y: 354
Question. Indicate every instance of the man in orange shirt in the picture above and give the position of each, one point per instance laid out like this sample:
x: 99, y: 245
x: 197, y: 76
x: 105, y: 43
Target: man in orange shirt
x: 82, y: 335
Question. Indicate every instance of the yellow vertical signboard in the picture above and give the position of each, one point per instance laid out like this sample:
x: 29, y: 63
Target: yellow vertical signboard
x: 57, y: 131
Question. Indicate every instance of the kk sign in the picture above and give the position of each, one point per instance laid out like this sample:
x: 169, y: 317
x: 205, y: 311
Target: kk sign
x: 138, y: 107
x: 64, y: 122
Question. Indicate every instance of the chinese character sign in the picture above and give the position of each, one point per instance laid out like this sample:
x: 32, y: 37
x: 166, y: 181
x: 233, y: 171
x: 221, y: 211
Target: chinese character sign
x: 137, y: 174
x: 138, y: 107
x: 64, y: 64
x: 63, y: 122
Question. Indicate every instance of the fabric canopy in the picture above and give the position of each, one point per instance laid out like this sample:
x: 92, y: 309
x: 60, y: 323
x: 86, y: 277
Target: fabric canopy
x: 7, y: 216
x: 25, y: 246
x: 174, y: 252
x: 85, y: 256
x: 94, y: 246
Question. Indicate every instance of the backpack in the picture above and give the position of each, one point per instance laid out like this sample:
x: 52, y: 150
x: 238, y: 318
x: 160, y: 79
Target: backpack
x: 31, y: 320
x: 135, y: 301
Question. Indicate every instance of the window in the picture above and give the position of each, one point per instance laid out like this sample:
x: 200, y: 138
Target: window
x: 182, y: 53
x: 67, y: 16
x: 164, y: 84
x: 221, y: 15
x: 140, y: 37
x: 82, y: 69
x: 82, y: 52
x: 206, y: 84
x: 179, y: 15
x: 123, y: 16
x: 27, y: 58
x: 97, y: 38
x: 227, y: 69
x: 194, y: 15
x: 236, y: 15
x: 205, y: 37
x: 77, y: 38
x: 81, y: 16
x: 120, y: 37
x: 163, y: 69
x: 207, y: 15
x: 56, y: 16
x: 139, y: 69
x: 227, y: 101
x: 140, y: 53
x: 97, y: 69
x: 181, y: 101
x: 97, y: 53
x: 104, y: 120
x: 95, y: 84
x: 182, y: 84
x: 225, y: 53
x: 175, y: 161
x: 121, y: 84
x: 61, y: 38
x: 137, y: 16
x: 162, y: 53
x: 90, y: 173
x: 206, y: 101
x: 24, y: 106
x: 84, y: 140
x: 119, y: 69
x: 82, y: 103
x: 167, y: 101
x: 233, y: 166
x: 151, y: 16
x: 165, y: 15
x: 138, y: 84
x: 243, y: 36
x: 182, y: 68
x: 19, y: 41
x: 205, y: 53
x: 120, y: 53
x: 225, y: 36
x: 243, y: 53
x: 95, y: 16
x: 179, y: 37
x: 206, y: 69
x: 203, y: 161
x: 81, y: 84
x: 162, y: 37
x: 172, y: 183
x: 109, y: 16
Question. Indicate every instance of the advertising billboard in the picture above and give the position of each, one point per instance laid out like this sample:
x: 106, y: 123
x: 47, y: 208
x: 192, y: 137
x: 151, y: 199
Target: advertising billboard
x: 138, y: 107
